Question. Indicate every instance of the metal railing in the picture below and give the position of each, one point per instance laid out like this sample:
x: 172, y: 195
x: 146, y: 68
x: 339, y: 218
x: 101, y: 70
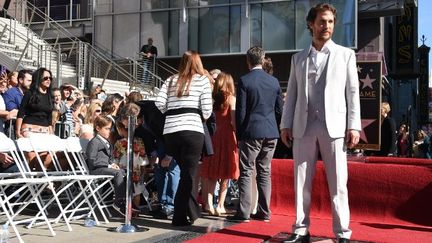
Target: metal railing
x: 29, y: 52
x: 89, y: 61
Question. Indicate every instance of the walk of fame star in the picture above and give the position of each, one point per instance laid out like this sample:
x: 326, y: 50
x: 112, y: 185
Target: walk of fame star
x: 365, y: 123
x: 367, y: 82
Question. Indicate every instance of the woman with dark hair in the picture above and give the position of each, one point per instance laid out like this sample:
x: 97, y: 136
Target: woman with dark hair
x: 111, y: 106
x: 34, y: 115
x: 35, y: 112
x: 186, y: 100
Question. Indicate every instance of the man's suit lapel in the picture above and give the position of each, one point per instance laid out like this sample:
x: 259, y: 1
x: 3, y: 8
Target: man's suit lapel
x: 303, y: 57
x: 330, y: 63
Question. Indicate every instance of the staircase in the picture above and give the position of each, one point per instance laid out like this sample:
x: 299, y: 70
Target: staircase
x: 21, y: 48
x: 87, y: 65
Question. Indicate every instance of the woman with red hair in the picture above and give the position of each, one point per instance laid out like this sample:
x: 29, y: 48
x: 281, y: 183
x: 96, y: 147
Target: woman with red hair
x: 186, y: 101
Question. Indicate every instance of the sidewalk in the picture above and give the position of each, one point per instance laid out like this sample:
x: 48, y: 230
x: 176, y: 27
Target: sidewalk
x: 158, y: 231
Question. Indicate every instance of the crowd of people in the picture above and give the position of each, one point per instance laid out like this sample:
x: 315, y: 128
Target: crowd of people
x: 202, y: 130
x: 401, y: 142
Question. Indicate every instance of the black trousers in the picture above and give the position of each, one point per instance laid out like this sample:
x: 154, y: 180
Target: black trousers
x: 186, y: 148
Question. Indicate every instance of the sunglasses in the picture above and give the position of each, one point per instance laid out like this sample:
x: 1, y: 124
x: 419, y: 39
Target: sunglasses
x: 46, y: 78
x: 98, y: 111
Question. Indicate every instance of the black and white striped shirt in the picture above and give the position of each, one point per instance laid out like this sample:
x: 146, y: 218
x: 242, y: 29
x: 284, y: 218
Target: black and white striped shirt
x: 199, y: 98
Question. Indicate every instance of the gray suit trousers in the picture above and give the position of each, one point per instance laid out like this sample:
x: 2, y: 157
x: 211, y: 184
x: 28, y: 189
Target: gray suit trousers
x: 333, y: 153
x: 119, y: 181
x: 255, y: 154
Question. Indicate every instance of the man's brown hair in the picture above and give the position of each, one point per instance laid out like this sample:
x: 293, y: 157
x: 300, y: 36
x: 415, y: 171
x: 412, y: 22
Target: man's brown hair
x: 319, y: 8
x: 102, y: 121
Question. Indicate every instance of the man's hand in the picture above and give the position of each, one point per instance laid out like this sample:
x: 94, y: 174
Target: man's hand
x: 12, y: 114
x: 6, y: 160
x: 286, y: 136
x: 352, y: 138
x: 115, y: 166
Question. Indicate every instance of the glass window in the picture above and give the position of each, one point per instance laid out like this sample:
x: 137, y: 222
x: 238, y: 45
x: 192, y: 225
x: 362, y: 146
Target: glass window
x: 173, y: 33
x: 163, y: 27
x: 103, y: 6
x: 345, y: 28
x: 272, y: 25
x: 302, y: 34
x: 193, y: 29
x: 215, y: 30
x: 193, y: 3
x: 160, y: 4
x: 289, y: 21
x: 156, y: 26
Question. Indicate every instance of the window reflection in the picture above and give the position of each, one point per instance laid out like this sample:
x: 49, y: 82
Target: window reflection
x: 215, y: 30
x: 272, y: 25
x: 215, y: 26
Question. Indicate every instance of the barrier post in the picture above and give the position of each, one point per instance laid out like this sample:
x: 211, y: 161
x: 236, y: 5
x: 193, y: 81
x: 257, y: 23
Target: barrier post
x: 127, y: 227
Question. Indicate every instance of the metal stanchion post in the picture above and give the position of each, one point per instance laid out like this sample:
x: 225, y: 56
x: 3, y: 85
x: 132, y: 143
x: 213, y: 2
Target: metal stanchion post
x: 127, y: 227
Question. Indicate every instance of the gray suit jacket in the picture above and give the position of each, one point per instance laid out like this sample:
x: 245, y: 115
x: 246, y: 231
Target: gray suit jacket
x: 98, y: 154
x: 341, y: 93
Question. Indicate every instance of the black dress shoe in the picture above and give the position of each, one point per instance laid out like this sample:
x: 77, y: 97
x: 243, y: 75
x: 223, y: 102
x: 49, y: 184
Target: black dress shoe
x: 343, y: 240
x: 296, y: 238
x: 237, y: 218
x: 182, y: 223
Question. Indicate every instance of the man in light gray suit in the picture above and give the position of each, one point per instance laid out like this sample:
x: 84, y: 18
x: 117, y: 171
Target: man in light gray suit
x: 322, y: 114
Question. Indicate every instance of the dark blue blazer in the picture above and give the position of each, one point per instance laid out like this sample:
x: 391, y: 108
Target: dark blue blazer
x: 259, y: 101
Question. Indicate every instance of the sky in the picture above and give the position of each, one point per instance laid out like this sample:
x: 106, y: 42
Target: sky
x: 424, y: 26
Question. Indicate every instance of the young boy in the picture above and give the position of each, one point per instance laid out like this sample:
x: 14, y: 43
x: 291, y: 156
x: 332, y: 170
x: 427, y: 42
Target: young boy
x: 100, y: 160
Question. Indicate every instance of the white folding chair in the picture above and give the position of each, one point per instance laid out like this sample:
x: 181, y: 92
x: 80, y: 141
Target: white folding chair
x: 96, y: 183
x: 80, y: 199
x: 21, y: 186
x: 34, y: 186
x: 106, y: 194
x: 24, y: 145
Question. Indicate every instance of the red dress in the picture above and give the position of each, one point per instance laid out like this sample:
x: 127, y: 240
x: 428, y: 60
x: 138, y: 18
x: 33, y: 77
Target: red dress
x: 223, y: 164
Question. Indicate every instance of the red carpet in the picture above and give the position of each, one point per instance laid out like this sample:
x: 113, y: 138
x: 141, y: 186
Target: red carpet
x: 257, y: 231
x: 396, y: 160
x: 389, y: 202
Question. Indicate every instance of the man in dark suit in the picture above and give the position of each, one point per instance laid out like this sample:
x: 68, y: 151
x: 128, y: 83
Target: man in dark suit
x: 258, y: 102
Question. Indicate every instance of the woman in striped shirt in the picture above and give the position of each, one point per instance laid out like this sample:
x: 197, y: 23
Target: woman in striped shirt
x: 186, y: 100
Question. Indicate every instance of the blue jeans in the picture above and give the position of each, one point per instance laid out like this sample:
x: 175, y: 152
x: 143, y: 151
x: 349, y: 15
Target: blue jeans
x: 13, y: 168
x: 167, y: 180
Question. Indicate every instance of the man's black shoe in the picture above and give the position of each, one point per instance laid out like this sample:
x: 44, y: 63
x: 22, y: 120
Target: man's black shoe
x: 295, y: 238
x: 182, y: 223
x: 343, y: 240
x: 237, y: 218
x: 261, y: 217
